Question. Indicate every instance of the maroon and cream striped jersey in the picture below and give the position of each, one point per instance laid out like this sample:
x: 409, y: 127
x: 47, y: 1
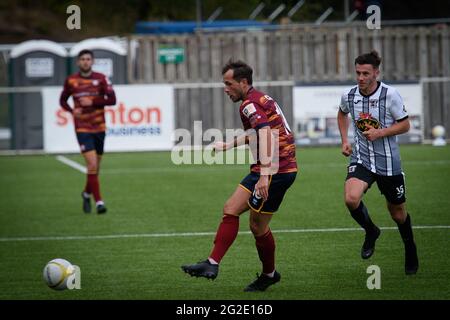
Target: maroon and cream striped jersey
x: 260, y: 110
x: 95, y: 87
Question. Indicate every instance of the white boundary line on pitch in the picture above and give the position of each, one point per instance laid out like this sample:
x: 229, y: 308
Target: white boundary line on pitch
x: 192, y: 167
x: 193, y: 234
x: 189, y: 167
x: 73, y: 164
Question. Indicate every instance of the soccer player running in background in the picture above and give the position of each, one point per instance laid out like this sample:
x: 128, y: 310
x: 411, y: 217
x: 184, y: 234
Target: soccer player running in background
x: 91, y: 92
x: 263, y: 189
x: 378, y: 115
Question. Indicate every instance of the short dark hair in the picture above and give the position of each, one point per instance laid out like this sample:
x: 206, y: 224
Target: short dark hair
x: 372, y: 58
x: 241, y: 70
x: 85, y: 51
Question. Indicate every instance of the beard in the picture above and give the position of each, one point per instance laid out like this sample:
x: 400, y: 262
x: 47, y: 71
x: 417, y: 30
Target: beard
x: 235, y: 98
x: 85, y: 70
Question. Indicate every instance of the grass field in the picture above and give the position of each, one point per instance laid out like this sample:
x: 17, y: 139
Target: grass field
x: 156, y: 210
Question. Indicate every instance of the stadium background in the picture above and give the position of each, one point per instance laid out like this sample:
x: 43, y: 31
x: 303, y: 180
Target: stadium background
x: 288, y: 53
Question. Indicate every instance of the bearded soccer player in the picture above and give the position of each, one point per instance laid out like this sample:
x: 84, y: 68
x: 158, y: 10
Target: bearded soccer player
x: 91, y: 92
x: 263, y: 189
x: 378, y: 116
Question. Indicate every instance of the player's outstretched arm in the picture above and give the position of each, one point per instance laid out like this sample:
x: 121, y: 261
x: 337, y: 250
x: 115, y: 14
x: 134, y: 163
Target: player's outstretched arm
x: 237, y: 141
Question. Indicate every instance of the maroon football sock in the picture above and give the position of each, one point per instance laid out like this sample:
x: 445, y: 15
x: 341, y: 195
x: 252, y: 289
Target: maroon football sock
x: 87, y: 187
x: 94, y: 186
x: 266, y: 251
x: 226, y: 233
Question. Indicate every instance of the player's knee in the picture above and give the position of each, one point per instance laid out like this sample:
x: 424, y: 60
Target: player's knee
x: 92, y: 167
x: 398, y: 215
x: 229, y: 209
x: 255, y: 228
x: 352, y: 201
x: 258, y: 229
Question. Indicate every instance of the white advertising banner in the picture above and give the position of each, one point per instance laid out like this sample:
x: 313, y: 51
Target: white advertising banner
x: 142, y: 119
x: 316, y: 107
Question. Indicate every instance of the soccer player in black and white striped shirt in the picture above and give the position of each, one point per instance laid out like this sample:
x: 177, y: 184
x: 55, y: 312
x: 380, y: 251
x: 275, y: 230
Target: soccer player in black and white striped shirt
x: 378, y: 116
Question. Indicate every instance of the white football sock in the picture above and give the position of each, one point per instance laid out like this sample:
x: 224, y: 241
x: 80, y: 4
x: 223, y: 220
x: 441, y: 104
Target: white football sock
x: 270, y: 275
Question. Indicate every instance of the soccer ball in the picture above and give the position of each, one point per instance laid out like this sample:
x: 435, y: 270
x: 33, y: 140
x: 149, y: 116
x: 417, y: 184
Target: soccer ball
x: 438, y: 131
x: 57, y: 272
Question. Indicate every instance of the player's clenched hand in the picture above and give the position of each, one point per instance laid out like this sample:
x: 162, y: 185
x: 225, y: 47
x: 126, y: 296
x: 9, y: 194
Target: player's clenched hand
x: 220, y: 146
x: 85, y: 101
x: 372, y: 134
x: 262, y: 187
x: 346, y: 149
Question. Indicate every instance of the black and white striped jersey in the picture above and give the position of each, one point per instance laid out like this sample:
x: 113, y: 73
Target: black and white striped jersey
x: 381, y: 109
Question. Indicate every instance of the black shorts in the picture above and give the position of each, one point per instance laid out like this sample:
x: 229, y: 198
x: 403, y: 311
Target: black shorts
x: 392, y: 187
x: 278, y: 185
x: 91, y: 141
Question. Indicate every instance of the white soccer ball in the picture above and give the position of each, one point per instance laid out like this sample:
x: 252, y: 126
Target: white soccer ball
x: 438, y: 131
x: 57, y: 272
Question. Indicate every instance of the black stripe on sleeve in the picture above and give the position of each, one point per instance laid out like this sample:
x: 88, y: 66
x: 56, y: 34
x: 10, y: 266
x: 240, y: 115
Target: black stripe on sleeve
x: 404, y: 118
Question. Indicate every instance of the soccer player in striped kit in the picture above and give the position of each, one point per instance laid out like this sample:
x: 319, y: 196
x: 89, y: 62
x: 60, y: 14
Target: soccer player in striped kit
x: 378, y: 116
x: 91, y: 92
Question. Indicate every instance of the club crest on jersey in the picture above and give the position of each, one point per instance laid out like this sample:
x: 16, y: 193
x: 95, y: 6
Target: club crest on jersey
x: 249, y: 110
x: 95, y: 82
x: 365, y: 120
x: 373, y: 103
x: 264, y: 99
